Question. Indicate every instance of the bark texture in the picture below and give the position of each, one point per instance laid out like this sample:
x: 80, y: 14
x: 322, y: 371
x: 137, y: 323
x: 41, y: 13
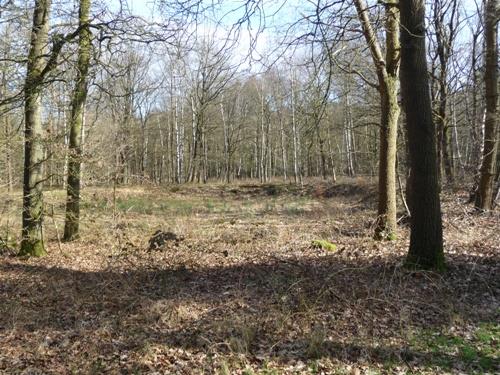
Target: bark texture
x: 484, y: 196
x: 387, y: 68
x: 32, y: 216
x: 71, y: 227
x: 426, y: 240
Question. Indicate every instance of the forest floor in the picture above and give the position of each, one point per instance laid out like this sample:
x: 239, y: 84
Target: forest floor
x: 243, y: 290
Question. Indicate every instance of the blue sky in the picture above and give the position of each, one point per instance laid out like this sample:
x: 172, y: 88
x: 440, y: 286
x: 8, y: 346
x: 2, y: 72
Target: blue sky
x: 278, y: 13
x: 145, y: 7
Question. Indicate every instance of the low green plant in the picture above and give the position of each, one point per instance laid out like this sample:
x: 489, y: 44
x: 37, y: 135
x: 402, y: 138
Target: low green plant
x: 325, y: 245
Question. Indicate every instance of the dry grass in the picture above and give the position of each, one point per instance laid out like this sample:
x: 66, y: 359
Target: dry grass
x: 245, y: 292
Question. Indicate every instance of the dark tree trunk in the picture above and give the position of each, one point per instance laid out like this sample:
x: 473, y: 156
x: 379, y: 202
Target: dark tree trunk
x: 426, y: 241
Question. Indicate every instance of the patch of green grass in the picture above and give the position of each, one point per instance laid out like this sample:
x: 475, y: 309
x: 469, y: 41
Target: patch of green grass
x: 178, y: 207
x: 468, y: 353
x: 210, y: 206
x: 297, y: 207
x: 151, y: 206
x: 477, y: 352
x: 216, y: 206
x: 134, y: 204
x: 488, y: 333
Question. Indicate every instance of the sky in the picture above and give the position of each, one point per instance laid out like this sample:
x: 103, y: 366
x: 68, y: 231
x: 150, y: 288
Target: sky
x: 145, y: 7
x: 278, y: 14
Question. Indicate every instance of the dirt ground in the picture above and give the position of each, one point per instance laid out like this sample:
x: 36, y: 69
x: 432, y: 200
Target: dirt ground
x: 243, y: 290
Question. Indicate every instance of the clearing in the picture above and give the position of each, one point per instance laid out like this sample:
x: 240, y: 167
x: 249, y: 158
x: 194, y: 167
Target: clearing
x: 244, y: 290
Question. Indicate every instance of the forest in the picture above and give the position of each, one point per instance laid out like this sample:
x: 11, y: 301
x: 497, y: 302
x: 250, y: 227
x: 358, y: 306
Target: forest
x: 249, y: 187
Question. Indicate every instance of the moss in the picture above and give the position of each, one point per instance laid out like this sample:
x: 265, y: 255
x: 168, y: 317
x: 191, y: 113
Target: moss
x: 32, y: 248
x: 385, y: 235
x: 435, y: 263
x: 325, y: 245
x: 392, y: 236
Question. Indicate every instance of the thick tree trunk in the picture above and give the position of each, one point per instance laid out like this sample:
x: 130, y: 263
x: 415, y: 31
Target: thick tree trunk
x: 387, y: 72
x: 484, y: 196
x: 426, y: 240
x: 386, y: 222
x: 72, y: 224
x: 32, y: 236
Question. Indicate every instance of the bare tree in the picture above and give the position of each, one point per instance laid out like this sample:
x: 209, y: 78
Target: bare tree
x: 209, y: 77
x: 446, y: 24
x: 32, y: 236
x: 71, y: 228
x: 484, y: 196
x: 387, y: 69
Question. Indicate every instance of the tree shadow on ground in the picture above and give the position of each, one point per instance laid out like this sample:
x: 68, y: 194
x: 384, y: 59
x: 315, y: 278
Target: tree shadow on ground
x: 318, y: 189
x: 286, y: 309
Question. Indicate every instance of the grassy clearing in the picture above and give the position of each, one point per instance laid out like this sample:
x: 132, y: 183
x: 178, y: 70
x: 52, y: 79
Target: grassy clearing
x: 245, y: 291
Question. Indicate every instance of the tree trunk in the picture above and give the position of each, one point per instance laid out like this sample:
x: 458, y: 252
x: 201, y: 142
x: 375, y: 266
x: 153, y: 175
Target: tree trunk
x: 296, y: 170
x: 8, y: 152
x: 262, y: 160
x: 426, y: 240
x: 386, y: 220
x: 72, y: 224
x: 283, y: 147
x: 32, y: 236
x: 348, y: 136
x: 227, y: 153
x: 387, y: 72
x: 179, y: 143
x: 484, y: 196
